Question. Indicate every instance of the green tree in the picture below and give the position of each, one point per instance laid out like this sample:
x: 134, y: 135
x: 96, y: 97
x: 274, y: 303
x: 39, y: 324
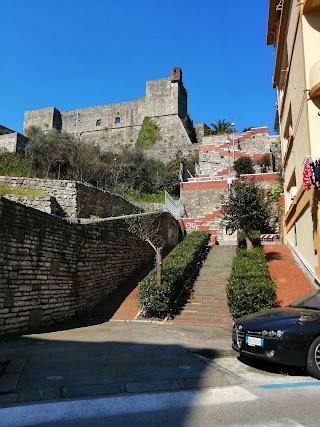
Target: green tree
x: 171, y: 171
x: 243, y: 165
x: 246, y: 208
x: 221, y: 127
x: 264, y: 162
x: 148, y: 228
x: 50, y: 151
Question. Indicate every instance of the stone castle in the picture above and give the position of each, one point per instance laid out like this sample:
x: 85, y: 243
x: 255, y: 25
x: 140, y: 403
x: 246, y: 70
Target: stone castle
x: 113, y: 126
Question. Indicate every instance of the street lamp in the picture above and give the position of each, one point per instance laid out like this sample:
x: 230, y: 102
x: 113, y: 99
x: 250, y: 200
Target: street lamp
x: 229, y: 168
x: 232, y: 124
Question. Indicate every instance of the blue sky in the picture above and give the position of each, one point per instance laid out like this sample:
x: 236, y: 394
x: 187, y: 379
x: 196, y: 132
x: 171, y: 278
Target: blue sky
x: 80, y: 53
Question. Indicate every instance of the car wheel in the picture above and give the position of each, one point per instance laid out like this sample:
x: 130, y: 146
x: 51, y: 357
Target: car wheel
x: 313, y: 359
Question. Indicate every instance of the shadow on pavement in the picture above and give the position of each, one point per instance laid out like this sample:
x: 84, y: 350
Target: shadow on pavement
x: 105, y: 360
x: 273, y: 256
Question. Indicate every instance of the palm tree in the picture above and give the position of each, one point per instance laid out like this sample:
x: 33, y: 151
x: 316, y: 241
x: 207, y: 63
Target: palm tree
x: 221, y: 127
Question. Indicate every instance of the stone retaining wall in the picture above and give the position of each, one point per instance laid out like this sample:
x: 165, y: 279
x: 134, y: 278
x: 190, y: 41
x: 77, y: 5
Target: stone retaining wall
x: 199, y: 202
x: 203, y: 197
x: 52, y: 269
x: 77, y: 200
x: 46, y: 204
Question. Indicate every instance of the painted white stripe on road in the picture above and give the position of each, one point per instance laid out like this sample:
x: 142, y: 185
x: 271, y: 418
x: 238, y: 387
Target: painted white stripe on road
x: 109, y: 406
x: 255, y: 376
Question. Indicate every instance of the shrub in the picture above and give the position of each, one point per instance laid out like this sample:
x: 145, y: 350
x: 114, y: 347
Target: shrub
x: 243, y: 165
x: 22, y: 191
x: 265, y: 163
x: 148, y: 135
x: 180, y: 269
x: 249, y: 287
x: 12, y: 164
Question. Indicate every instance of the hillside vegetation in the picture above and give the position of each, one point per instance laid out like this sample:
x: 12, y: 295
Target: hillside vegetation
x: 58, y: 155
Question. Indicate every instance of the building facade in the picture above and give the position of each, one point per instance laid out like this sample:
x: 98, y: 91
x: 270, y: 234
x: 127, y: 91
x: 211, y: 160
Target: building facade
x: 113, y: 126
x: 294, y: 30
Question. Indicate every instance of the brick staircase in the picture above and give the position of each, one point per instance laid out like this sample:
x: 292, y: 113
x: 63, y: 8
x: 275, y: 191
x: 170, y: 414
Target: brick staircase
x: 207, y: 303
x: 210, y: 222
x: 221, y: 152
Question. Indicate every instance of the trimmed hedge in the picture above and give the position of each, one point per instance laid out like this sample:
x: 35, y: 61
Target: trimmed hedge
x: 180, y: 269
x: 249, y: 287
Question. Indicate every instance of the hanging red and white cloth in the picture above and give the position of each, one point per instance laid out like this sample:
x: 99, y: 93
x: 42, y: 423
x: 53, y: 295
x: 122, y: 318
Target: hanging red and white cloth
x: 307, y: 175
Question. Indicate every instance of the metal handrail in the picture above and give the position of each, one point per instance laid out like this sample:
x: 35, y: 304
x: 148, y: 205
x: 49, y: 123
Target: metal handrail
x: 172, y: 206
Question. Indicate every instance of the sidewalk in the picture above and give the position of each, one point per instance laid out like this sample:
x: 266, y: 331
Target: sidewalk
x: 112, y: 358
x: 292, y: 283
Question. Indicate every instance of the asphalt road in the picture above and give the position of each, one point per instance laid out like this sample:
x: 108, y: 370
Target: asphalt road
x: 221, y: 406
x: 124, y: 374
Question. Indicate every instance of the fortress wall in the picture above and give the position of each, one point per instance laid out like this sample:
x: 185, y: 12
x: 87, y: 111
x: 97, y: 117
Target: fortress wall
x: 173, y: 133
x: 182, y: 102
x: 8, y: 142
x: 113, y: 139
x: 85, y: 119
x: 43, y: 118
x: 161, y: 98
x: 52, y: 270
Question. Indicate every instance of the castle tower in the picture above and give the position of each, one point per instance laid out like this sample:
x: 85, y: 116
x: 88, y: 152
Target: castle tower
x: 176, y: 75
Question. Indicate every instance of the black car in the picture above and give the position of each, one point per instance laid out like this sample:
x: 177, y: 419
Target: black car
x: 288, y: 335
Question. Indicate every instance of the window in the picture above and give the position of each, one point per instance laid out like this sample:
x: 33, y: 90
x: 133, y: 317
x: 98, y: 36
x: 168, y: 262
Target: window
x: 98, y: 122
x: 117, y: 120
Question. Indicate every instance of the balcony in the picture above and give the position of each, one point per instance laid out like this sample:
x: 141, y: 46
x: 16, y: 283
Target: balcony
x: 310, y: 5
x: 314, y: 80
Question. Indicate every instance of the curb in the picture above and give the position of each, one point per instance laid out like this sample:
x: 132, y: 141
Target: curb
x: 9, y: 379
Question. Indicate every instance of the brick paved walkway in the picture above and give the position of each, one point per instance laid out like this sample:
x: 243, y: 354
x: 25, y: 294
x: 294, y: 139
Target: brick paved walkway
x: 292, y: 283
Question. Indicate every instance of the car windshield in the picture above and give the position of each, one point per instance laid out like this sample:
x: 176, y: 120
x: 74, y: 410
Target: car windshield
x: 310, y: 301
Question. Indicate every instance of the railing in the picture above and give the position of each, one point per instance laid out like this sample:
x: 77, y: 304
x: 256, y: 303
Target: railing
x: 172, y: 206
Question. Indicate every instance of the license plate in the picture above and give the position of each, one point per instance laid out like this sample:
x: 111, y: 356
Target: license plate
x: 254, y: 342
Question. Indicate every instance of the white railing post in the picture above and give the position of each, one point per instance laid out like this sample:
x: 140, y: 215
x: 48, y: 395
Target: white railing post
x: 172, y: 206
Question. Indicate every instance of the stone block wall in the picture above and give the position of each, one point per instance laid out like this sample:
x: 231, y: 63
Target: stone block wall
x: 203, y: 197
x: 200, y: 198
x: 64, y: 192
x: 74, y: 198
x: 52, y: 269
x: 92, y: 201
x: 46, y: 204
x: 13, y: 142
x: 215, y: 152
x: 45, y: 119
